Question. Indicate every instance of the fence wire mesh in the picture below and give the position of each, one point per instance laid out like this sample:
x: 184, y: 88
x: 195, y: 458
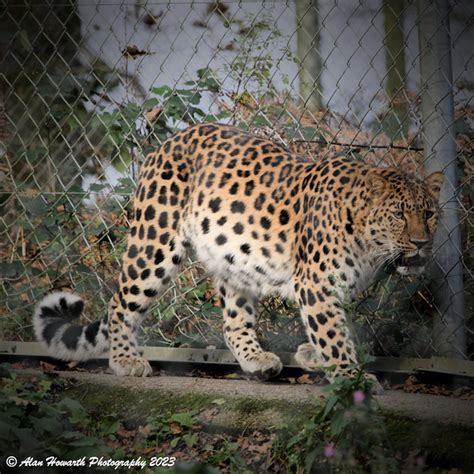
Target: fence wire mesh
x: 87, y: 89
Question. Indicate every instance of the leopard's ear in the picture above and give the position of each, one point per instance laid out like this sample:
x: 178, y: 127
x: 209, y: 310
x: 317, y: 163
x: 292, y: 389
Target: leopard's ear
x: 377, y: 184
x: 433, y: 183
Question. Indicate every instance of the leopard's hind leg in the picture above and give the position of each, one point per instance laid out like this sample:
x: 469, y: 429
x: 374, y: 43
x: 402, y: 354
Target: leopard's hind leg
x: 154, y: 254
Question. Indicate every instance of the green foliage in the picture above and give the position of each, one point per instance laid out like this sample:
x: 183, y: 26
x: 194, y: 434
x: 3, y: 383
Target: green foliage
x: 55, y: 228
x: 175, y: 105
x: 228, y: 454
x: 253, y: 65
x: 36, y: 422
x: 345, y: 434
x: 33, y: 422
x: 183, y: 104
x: 342, y: 433
x: 184, y: 419
x: 194, y: 467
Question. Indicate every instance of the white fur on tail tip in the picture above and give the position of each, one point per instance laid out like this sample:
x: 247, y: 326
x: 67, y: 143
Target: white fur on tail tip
x: 57, y: 346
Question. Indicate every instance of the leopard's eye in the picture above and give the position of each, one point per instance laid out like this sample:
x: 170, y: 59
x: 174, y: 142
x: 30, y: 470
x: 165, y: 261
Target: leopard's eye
x: 428, y: 215
x: 398, y: 214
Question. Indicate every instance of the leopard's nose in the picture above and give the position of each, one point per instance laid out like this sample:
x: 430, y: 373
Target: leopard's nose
x: 419, y: 243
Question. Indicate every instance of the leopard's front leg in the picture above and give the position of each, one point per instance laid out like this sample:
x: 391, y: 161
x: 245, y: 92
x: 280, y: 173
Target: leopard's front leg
x: 331, y: 344
x: 239, y: 333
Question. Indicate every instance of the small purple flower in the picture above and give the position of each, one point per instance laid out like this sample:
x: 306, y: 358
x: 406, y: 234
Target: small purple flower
x: 329, y: 450
x: 420, y: 462
x: 358, y: 396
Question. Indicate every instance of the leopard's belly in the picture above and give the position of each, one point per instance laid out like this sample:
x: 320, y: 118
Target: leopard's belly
x: 259, y: 268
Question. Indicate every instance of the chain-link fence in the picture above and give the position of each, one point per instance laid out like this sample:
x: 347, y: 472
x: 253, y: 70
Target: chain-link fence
x: 88, y: 88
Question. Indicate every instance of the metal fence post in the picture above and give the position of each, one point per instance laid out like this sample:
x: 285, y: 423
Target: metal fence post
x: 440, y: 155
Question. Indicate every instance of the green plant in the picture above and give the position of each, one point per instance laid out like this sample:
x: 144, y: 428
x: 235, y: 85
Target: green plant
x: 345, y: 434
x: 34, y: 423
x: 252, y: 67
x: 172, y: 105
x: 228, y: 454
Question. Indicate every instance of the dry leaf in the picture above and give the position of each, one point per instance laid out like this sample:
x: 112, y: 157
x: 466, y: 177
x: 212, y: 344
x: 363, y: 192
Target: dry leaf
x: 48, y: 368
x: 200, y: 24
x: 262, y: 448
x: 19, y: 401
x: 209, y: 415
x: 146, y: 451
x: 217, y: 7
x: 152, y: 19
x: 152, y: 115
x: 146, y: 430
x: 305, y: 379
x: 123, y: 433
x: 176, y: 428
x: 132, y: 52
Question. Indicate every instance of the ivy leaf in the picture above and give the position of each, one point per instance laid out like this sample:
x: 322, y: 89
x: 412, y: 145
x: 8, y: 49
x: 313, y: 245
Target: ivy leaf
x: 218, y: 401
x: 207, y: 80
x: 35, y: 205
x: 122, y: 160
x: 184, y: 419
x: 163, y: 90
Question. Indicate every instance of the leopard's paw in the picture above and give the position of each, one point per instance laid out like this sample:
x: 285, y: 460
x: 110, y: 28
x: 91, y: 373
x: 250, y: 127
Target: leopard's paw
x: 263, y: 365
x: 306, y: 357
x: 133, y: 366
x: 377, y: 388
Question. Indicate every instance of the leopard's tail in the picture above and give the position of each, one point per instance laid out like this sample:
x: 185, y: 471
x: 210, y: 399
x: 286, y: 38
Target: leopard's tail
x: 54, y: 326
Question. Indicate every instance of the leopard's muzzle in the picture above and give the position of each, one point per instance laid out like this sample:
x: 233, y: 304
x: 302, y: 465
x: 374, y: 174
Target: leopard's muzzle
x: 410, y: 265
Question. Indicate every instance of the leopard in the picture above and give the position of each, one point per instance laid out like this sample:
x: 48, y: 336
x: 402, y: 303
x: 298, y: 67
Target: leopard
x: 263, y: 221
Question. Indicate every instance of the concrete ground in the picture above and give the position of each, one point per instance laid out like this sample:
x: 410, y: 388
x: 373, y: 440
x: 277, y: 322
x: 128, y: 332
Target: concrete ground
x: 440, y: 409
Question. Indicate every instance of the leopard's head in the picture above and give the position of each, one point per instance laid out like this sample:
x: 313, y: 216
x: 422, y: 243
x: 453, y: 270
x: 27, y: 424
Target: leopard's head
x: 403, y: 217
